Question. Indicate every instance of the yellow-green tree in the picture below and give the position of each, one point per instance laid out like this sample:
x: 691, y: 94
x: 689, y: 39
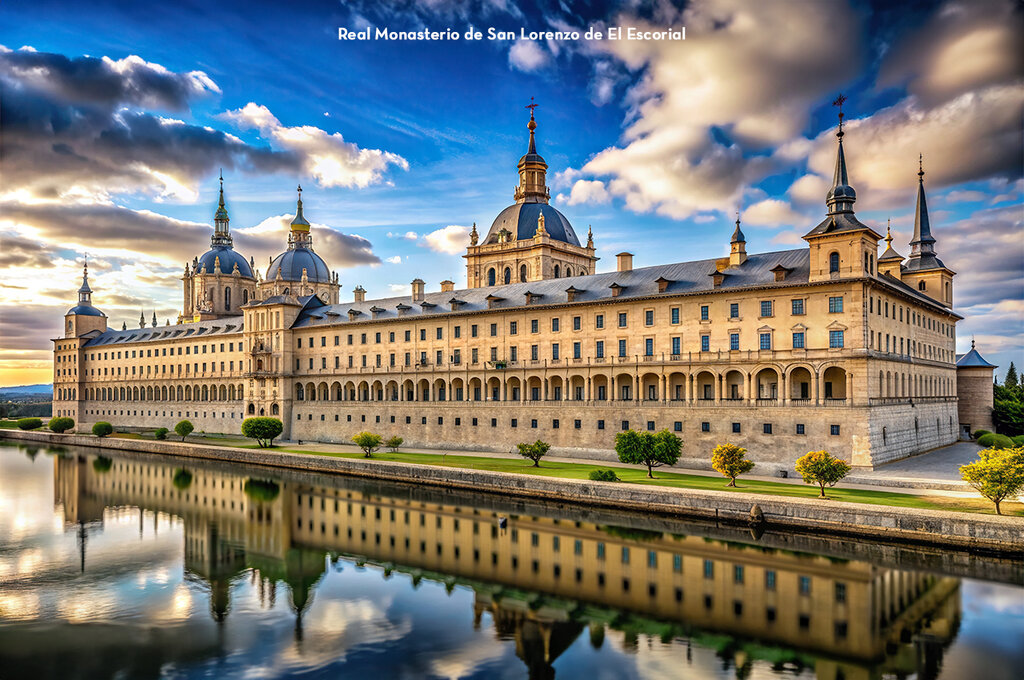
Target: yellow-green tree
x: 821, y: 468
x: 368, y: 442
x: 730, y: 461
x: 998, y: 474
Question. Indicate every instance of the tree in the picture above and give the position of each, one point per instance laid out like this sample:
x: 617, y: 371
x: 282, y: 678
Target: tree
x: 1008, y: 416
x: 819, y: 467
x: 1011, y: 379
x: 29, y: 423
x: 262, y: 429
x: 648, y: 448
x: 729, y: 460
x: 534, y: 451
x: 102, y: 429
x: 161, y: 433
x: 368, y: 442
x: 61, y: 424
x: 998, y: 474
x: 183, y: 429
x: 394, y: 443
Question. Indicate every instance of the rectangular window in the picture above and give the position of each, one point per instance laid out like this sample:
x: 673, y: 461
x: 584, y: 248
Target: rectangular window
x: 649, y: 317
x: 423, y: 334
x: 458, y: 333
x: 805, y: 585
x: 554, y: 351
x: 705, y: 343
x: 704, y: 313
x: 534, y: 352
x: 648, y: 347
x: 513, y: 328
x: 473, y: 331
x: 534, y: 326
x: 599, y: 321
x: 835, y: 339
x: 798, y: 340
x: 677, y: 345
x: 737, y: 573
x: 622, y: 319
x: 675, y: 315
x: 834, y: 430
x: 798, y: 307
x: 734, y: 341
x: 736, y: 428
x: 622, y: 348
x: 555, y: 325
x: 765, y: 341
x: 577, y: 323
x: 705, y: 426
x: 767, y: 428
x: 599, y: 349
x: 800, y: 428
x: 734, y: 310
x: 766, y: 308
x: 709, y: 569
x: 769, y: 580
x: 577, y: 350
x: 494, y: 330
x: 835, y: 304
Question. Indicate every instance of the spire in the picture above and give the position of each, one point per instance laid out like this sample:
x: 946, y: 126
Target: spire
x: 154, y: 319
x: 124, y: 325
x: 590, y: 236
x: 532, y: 186
x: 142, y: 319
x: 221, y: 233
x: 532, y: 125
x: 299, y: 222
x: 85, y: 292
x: 923, y: 242
x: 889, y: 253
x: 841, y: 196
x: 737, y: 235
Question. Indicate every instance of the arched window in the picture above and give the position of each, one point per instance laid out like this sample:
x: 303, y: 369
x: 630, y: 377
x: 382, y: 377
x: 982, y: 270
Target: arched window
x: 522, y: 274
x: 227, y: 298
x: 557, y: 271
x: 508, y: 275
x: 833, y: 263
x: 491, y: 277
x: 568, y: 272
x: 921, y: 285
x: 245, y: 297
x: 274, y: 410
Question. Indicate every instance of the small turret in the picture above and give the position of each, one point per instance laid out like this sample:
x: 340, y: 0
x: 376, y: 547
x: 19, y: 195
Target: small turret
x: 83, y: 317
x: 737, y: 246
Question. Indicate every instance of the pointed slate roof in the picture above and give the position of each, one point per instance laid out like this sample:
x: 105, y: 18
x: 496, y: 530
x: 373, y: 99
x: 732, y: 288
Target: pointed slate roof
x: 922, y: 247
x: 972, y: 359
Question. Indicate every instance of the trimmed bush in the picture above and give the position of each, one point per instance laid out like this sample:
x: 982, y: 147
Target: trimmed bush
x: 183, y: 429
x: 534, y: 451
x: 978, y: 434
x: 995, y: 441
x: 161, y: 433
x: 1018, y: 441
x: 29, y: 423
x: 261, y: 489
x: 730, y: 461
x: 394, y: 444
x: 262, y: 429
x: 368, y: 442
x: 102, y: 464
x: 61, y: 424
x: 102, y: 429
x: 182, y: 479
x: 604, y: 476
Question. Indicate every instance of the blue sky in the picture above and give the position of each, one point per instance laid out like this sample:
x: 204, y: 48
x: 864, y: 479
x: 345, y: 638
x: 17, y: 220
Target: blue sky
x: 123, y: 115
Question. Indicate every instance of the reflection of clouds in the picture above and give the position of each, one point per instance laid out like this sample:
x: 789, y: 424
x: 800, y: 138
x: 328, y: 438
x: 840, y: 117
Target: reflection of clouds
x: 178, y: 609
x: 987, y: 599
x: 83, y: 607
x: 19, y: 606
x: 29, y: 561
x: 467, y: 659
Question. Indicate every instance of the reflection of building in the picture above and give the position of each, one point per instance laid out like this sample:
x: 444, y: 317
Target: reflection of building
x: 825, y: 346
x: 539, y: 577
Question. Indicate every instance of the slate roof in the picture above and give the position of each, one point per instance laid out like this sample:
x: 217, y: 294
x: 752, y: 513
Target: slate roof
x: 972, y: 360
x: 839, y: 223
x: 231, y: 325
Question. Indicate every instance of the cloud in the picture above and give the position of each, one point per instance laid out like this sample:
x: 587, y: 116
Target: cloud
x: 327, y: 157
x: 528, y: 55
x: 451, y: 240
x: 588, y: 191
x: 394, y: 259
x: 408, y: 236
x: 771, y: 212
x: 339, y: 250
x: 965, y: 196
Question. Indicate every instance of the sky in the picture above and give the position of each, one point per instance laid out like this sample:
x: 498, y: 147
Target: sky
x: 117, y: 117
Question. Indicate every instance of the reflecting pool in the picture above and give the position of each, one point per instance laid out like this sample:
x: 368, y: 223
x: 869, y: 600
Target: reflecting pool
x: 137, y: 566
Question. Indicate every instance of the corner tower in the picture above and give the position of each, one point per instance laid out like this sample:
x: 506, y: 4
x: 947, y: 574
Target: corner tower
x: 923, y: 270
x: 220, y: 281
x: 530, y: 240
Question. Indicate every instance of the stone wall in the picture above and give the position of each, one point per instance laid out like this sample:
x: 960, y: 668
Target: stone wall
x: 904, y: 429
x: 974, y: 388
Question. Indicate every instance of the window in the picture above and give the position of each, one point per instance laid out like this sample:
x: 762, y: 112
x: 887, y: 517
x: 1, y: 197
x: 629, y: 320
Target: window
x: 798, y: 307
x: 833, y: 263
x: 834, y: 430
x: 805, y: 585
x: 494, y: 330
x: 705, y: 426
x: 765, y: 341
x: 769, y: 580
x: 513, y: 328
x: 800, y: 428
x: 577, y: 323
x: 678, y: 426
x: 734, y: 310
x: 840, y: 592
x: 649, y: 317
x: 577, y: 349
x: 705, y: 343
x: 737, y: 573
x: 599, y: 349
x: 704, y: 313
x: 622, y: 319
x: 472, y: 331
x: 554, y: 351
x: 599, y: 321
x: 734, y: 341
x: 835, y: 339
x: 648, y: 347
x: 709, y: 569
x: 798, y: 340
x: 835, y: 304
x: 767, y: 428
x: 622, y: 348
x: 766, y: 308
x: 677, y: 345
x: 675, y: 315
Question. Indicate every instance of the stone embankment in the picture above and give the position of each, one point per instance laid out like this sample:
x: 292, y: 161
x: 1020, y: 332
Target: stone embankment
x: 931, y: 527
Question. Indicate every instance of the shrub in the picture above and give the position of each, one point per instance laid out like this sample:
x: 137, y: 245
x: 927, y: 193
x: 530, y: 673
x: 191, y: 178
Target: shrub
x: 102, y: 429
x: 102, y: 464
x: 161, y: 433
x: 368, y: 442
x: 978, y: 434
x: 998, y: 474
x: 652, y: 449
x: 262, y: 429
x: 995, y: 441
x: 728, y: 459
x: 1018, y: 440
x: 604, y: 476
x: 819, y: 467
x: 261, y: 489
x: 534, y: 451
x: 183, y: 429
x: 182, y: 479
x: 394, y: 443
x: 1008, y: 416
x: 61, y: 424
x: 29, y: 423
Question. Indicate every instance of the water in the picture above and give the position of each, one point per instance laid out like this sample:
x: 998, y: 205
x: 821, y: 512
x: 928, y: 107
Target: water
x: 134, y: 566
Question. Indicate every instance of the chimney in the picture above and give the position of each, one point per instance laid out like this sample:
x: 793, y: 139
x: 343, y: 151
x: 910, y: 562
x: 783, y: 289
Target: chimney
x: 447, y: 286
x: 625, y: 262
x: 417, y: 290
x: 360, y: 293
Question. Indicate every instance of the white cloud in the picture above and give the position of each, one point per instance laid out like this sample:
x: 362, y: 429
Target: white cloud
x: 395, y: 259
x: 408, y: 236
x: 327, y: 157
x: 528, y: 55
x: 771, y: 212
x: 400, y: 288
x: 588, y: 191
x: 450, y: 240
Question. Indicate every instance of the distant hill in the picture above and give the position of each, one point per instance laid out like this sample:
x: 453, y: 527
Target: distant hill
x: 26, y: 391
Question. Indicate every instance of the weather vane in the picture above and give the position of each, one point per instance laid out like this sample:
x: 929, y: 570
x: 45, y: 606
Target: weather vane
x: 839, y: 102
x: 532, y: 106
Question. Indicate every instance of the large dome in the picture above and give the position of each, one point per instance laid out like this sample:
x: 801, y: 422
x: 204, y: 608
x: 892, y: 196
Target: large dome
x: 85, y: 310
x: 228, y: 259
x: 290, y: 264
x: 521, y: 220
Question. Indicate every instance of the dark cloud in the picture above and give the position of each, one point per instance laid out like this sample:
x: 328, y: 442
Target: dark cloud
x: 19, y: 252
x: 29, y: 327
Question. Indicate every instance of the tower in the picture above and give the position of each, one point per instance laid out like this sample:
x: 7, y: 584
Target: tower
x: 923, y: 270
x: 299, y: 271
x: 737, y: 246
x: 83, y: 317
x: 841, y: 245
x: 529, y: 240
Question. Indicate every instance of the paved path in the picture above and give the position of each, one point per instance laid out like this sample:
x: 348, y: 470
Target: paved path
x: 941, y: 464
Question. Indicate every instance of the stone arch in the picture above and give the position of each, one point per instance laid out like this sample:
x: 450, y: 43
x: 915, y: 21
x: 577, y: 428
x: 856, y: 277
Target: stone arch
x: 377, y: 390
x: 423, y: 390
x: 492, y: 277
x: 336, y: 393
x: 735, y: 385
x: 704, y: 383
x: 557, y: 273
x: 534, y: 389
x: 507, y: 278
x: 458, y: 390
x: 391, y: 388
x: 766, y: 381
x: 252, y: 409
x: 624, y: 387
x: 522, y: 273
x: 363, y: 391
x: 300, y: 392
x: 310, y: 392
x: 833, y: 262
x: 275, y: 409
x: 322, y: 393
x: 440, y: 390
x: 409, y: 390
x: 836, y: 383
x: 513, y: 389
x: 800, y: 379
x: 650, y: 387
x: 677, y: 386
x: 493, y: 391
x: 476, y: 389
